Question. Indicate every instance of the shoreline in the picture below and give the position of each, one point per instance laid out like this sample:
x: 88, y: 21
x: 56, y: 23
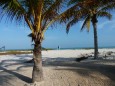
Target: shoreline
x: 76, y: 48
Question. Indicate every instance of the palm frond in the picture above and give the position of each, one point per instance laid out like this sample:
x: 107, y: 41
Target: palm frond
x: 53, y: 9
x: 109, y: 7
x: 32, y: 36
x: 91, y: 7
x: 12, y: 9
x: 69, y: 13
x: 103, y: 2
x: 71, y: 2
x: 61, y: 17
x: 86, y: 23
x: 104, y: 14
x: 71, y: 23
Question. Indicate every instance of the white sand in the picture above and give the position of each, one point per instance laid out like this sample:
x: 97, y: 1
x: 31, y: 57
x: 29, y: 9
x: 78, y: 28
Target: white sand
x: 71, y: 53
x: 60, y: 69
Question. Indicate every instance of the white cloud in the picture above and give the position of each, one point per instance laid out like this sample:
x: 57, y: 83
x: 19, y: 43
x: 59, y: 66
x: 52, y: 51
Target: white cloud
x: 104, y: 24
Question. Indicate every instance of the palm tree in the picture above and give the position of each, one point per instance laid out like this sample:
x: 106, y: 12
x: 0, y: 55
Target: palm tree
x: 38, y: 15
x: 89, y: 11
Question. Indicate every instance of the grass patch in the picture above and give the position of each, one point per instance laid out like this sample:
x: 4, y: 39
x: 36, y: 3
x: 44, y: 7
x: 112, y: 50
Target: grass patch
x: 13, y: 52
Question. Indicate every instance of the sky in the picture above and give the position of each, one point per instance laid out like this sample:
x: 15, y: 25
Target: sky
x: 14, y: 36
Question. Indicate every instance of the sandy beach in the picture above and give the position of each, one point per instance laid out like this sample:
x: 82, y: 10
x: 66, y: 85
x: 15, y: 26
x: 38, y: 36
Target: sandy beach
x: 60, y: 69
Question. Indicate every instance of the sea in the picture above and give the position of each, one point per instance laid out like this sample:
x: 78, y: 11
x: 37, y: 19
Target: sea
x: 71, y: 48
x: 86, y: 48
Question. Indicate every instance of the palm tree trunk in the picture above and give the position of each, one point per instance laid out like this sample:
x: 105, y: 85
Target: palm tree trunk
x: 94, y: 22
x: 37, y: 74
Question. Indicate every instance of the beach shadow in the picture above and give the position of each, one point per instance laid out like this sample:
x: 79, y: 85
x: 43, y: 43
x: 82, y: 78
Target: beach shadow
x: 4, y: 80
x: 85, y: 68
x: 81, y: 68
x: 24, y: 56
x: 20, y: 76
x: 8, y: 76
x: 51, y: 61
x: 11, y: 62
x: 25, y: 65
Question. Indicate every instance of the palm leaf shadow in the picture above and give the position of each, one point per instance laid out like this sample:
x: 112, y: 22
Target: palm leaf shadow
x: 20, y: 76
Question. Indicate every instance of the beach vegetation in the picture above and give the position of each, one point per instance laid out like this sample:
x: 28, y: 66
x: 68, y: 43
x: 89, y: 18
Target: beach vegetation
x: 89, y: 11
x: 14, y: 52
x: 38, y: 15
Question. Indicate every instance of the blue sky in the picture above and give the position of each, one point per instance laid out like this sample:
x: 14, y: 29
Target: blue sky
x: 15, y: 36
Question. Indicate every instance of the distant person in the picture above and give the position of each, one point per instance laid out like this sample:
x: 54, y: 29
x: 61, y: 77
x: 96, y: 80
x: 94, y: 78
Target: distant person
x: 58, y: 47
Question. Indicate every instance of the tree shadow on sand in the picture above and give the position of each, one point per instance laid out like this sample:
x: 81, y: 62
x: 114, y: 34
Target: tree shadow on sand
x: 20, y: 76
x: 101, y: 66
x: 12, y: 75
x: 86, y: 68
x: 83, y: 68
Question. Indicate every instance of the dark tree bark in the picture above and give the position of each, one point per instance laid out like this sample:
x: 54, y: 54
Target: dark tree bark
x: 37, y: 74
x: 94, y: 22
